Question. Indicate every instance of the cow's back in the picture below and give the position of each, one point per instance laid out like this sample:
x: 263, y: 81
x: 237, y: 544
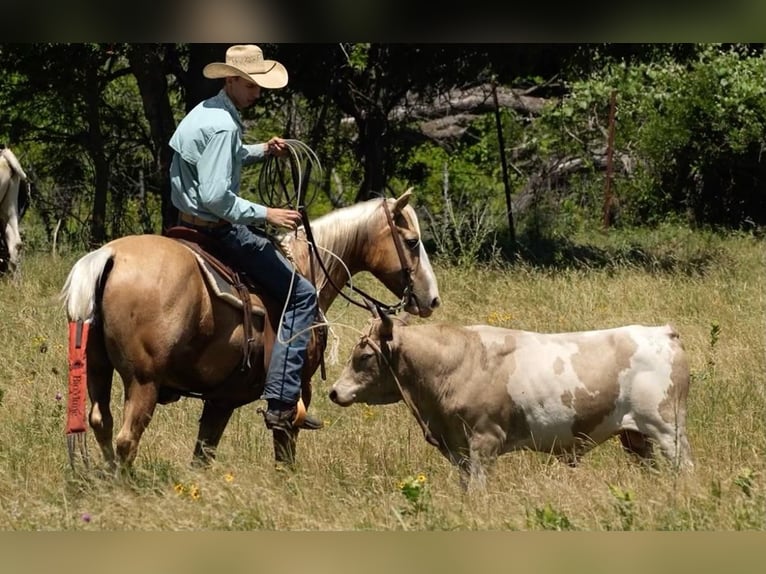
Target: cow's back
x: 580, y: 387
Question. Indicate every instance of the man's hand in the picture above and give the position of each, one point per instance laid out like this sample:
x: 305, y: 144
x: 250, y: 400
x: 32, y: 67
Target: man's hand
x: 286, y: 218
x: 277, y: 146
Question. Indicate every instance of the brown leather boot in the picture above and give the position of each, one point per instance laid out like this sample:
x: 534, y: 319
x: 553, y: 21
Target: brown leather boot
x: 287, y: 419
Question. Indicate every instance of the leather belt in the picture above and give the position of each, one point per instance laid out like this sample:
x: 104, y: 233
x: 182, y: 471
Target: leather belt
x: 199, y: 222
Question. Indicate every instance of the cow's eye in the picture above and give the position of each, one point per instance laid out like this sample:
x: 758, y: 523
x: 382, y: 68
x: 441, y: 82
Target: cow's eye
x: 365, y: 356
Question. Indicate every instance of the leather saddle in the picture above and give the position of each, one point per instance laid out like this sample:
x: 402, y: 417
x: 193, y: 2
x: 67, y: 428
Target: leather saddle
x: 224, y: 282
x: 230, y: 286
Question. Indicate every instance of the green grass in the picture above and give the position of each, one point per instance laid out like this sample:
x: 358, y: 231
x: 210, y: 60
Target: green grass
x: 352, y: 474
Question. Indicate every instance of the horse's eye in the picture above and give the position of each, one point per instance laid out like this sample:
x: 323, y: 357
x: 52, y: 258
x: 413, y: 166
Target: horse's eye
x: 412, y: 243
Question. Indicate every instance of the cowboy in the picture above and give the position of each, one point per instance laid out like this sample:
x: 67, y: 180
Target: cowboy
x: 205, y: 177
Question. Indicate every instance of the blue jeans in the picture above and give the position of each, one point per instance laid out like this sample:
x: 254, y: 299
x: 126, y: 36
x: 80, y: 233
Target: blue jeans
x: 256, y: 255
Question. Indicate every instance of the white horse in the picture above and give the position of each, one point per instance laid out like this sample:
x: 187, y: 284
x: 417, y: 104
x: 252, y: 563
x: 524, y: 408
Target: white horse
x: 11, y: 177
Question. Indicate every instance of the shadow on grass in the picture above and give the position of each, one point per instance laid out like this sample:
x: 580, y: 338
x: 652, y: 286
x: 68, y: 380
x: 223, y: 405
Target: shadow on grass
x: 663, y: 256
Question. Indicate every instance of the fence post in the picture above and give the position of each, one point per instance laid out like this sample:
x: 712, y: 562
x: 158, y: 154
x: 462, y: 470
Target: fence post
x: 504, y: 164
x: 609, y: 153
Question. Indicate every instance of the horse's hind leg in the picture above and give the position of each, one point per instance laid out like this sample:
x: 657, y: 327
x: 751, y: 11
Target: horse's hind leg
x: 99, y: 378
x: 212, y: 423
x: 140, y: 402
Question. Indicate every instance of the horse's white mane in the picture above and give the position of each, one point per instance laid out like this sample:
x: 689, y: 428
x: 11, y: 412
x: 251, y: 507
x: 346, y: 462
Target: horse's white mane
x: 338, y: 227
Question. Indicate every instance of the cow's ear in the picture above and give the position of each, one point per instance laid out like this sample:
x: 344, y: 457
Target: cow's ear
x: 404, y: 318
x: 386, y: 329
x: 402, y: 200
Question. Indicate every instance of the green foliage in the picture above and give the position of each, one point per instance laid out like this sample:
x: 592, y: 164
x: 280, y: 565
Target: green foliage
x: 461, y: 192
x: 548, y: 518
x: 689, y: 133
x: 624, y: 503
x: 744, y: 480
x: 415, y: 491
x: 692, y: 132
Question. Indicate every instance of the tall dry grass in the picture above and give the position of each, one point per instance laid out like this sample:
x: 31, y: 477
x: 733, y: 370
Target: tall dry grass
x: 370, y: 468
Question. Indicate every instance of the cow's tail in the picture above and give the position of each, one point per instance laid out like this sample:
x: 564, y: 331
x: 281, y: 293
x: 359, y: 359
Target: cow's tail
x: 79, y: 295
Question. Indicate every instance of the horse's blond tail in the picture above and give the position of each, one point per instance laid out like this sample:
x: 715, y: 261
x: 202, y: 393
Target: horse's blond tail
x: 79, y: 291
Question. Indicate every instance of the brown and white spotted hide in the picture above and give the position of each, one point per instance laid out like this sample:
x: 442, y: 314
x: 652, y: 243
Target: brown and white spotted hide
x: 480, y: 391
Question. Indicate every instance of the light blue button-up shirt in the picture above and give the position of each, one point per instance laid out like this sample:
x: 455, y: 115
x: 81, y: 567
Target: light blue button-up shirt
x: 207, y: 164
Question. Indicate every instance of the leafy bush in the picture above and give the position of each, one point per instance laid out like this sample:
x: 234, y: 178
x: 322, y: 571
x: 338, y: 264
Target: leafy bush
x: 688, y: 137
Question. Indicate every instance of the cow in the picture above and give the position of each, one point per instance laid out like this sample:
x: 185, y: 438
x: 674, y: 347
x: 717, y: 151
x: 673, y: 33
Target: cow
x: 11, y: 177
x: 480, y: 391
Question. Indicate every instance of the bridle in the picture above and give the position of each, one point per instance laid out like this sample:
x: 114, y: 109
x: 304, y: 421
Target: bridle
x: 272, y: 177
x: 406, y: 270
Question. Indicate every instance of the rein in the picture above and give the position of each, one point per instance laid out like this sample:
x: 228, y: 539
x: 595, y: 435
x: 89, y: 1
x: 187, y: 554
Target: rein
x: 272, y: 177
x: 406, y: 269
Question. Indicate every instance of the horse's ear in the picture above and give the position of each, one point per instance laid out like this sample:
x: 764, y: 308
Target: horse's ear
x: 402, y: 200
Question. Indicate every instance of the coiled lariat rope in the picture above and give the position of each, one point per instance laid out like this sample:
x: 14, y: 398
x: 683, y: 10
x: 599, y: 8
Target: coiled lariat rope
x: 273, y: 190
x: 277, y: 189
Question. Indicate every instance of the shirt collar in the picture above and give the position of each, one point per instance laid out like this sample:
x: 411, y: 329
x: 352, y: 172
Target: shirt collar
x: 230, y: 107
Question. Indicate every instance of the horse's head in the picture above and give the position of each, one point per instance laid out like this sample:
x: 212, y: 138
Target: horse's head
x: 399, y: 260
x: 379, y: 236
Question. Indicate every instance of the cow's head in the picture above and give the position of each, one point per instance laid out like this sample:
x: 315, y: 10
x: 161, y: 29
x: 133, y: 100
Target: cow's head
x: 368, y: 377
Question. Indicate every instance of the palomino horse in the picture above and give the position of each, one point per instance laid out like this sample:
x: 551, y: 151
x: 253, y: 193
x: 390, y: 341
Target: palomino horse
x: 151, y: 316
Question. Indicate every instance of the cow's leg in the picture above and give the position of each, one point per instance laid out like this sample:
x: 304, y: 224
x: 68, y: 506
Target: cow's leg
x: 675, y: 447
x: 483, y: 450
x: 637, y: 444
x: 212, y: 423
x: 99, y: 380
x: 140, y: 402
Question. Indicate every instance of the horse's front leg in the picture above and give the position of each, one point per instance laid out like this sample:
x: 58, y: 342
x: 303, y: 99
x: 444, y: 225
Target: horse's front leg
x: 285, y: 442
x: 212, y: 423
x: 285, y: 446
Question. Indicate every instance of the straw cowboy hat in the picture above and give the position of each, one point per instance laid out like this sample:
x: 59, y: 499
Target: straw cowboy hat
x: 246, y: 61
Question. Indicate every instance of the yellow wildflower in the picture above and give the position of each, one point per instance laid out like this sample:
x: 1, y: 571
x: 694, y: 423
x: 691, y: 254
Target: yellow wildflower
x: 228, y: 477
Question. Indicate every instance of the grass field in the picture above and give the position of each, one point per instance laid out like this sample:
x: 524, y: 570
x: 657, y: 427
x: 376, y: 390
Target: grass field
x: 370, y: 468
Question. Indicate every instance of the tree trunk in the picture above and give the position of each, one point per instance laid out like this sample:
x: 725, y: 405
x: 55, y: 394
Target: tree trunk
x: 372, y: 135
x: 96, y: 149
x: 149, y: 71
x: 198, y: 87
